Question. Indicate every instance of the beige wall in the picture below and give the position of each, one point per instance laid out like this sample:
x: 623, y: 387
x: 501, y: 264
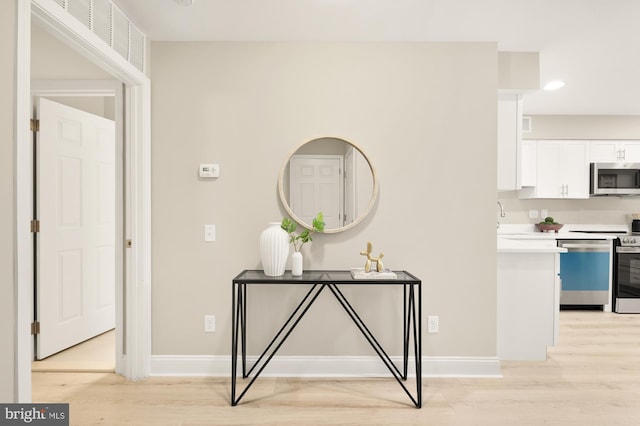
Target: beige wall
x: 519, y: 71
x: 91, y: 104
x: 7, y: 199
x: 424, y: 113
x: 598, y: 210
x: 52, y: 59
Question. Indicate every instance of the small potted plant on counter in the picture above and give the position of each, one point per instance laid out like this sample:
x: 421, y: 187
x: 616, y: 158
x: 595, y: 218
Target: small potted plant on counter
x: 549, y: 225
x: 298, y: 240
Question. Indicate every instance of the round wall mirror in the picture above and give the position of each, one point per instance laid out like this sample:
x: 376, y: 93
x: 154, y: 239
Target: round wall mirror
x: 328, y: 175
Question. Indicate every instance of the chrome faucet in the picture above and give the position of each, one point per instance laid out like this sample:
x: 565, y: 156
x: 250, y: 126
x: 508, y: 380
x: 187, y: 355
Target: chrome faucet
x: 502, y: 213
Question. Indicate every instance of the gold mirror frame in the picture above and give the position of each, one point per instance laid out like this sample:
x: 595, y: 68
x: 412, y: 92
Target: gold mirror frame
x: 361, y: 216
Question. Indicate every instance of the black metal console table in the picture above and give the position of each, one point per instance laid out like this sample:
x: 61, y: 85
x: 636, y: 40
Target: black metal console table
x: 318, y: 281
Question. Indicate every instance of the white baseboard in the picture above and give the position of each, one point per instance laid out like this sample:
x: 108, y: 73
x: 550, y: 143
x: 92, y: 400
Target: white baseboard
x: 324, y: 366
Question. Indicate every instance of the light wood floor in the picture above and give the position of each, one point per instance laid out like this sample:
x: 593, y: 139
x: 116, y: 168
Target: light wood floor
x: 591, y: 378
x: 94, y: 355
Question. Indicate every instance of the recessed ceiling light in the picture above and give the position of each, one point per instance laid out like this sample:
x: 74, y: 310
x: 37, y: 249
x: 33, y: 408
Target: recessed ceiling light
x: 554, y: 85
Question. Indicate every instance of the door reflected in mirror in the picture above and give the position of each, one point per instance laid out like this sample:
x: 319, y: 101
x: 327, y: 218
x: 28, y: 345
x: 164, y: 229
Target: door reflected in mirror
x: 328, y: 175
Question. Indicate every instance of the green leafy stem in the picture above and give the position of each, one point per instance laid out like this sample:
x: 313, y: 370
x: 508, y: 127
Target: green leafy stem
x: 298, y: 240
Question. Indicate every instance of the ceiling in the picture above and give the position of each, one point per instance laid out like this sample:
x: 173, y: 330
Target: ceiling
x: 593, y: 45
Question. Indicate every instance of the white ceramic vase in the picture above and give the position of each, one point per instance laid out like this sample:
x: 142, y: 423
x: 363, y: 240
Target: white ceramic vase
x: 296, y: 264
x: 274, y: 249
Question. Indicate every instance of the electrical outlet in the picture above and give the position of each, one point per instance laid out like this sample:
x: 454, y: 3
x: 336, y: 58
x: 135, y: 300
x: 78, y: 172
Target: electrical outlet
x: 533, y: 214
x: 544, y: 213
x: 433, y: 323
x: 209, y: 233
x: 209, y: 323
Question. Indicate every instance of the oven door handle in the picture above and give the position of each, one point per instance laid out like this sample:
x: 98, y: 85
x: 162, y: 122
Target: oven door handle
x: 627, y: 250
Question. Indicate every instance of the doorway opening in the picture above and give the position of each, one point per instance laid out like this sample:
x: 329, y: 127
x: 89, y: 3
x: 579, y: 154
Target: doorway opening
x: 77, y: 267
x: 96, y: 355
x: 133, y: 319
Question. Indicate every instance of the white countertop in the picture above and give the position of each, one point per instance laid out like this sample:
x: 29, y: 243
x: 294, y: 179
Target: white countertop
x: 524, y: 238
x: 510, y: 245
x: 568, y: 232
x: 556, y: 236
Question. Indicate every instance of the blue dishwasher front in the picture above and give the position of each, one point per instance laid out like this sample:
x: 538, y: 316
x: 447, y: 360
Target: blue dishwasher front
x: 585, y: 272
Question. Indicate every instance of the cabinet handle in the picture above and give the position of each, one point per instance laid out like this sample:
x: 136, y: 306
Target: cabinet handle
x: 604, y: 246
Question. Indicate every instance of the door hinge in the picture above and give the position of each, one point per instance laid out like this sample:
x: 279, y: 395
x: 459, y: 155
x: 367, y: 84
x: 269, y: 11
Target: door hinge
x: 35, y: 125
x: 35, y: 226
x: 128, y: 243
x: 35, y: 327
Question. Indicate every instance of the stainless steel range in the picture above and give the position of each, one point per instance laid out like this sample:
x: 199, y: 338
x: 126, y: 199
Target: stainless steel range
x: 626, y: 278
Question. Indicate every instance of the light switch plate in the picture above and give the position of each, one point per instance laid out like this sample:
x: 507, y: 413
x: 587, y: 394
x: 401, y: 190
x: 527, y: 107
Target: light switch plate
x: 533, y: 214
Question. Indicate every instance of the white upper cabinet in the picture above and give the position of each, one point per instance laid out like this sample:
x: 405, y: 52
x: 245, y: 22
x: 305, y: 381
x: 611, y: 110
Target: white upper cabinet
x: 562, y: 170
x: 509, y: 138
x: 612, y: 151
x: 528, y: 163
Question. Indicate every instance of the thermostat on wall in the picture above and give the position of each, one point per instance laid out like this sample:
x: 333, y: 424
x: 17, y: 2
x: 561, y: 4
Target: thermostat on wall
x: 209, y: 170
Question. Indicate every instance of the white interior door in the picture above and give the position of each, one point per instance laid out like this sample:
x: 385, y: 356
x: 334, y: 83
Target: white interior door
x: 316, y: 186
x: 75, y: 187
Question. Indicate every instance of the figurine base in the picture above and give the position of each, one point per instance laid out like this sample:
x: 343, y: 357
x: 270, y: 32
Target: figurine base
x: 360, y: 274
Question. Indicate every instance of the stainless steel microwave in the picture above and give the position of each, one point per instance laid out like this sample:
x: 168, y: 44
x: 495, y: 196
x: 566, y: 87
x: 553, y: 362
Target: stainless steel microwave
x: 615, y: 179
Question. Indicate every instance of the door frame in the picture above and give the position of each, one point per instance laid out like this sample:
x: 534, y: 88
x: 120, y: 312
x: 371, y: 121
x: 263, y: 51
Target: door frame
x: 350, y: 184
x: 137, y: 188
x: 101, y: 88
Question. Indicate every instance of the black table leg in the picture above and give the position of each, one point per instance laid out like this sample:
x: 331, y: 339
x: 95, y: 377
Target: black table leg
x: 275, y: 344
x: 418, y: 346
x: 411, y: 321
x: 234, y: 343
x: 405, y: 332
x: 417, y: 339
x: 242, y: 297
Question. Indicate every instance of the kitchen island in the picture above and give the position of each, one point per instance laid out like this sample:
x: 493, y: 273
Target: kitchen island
x: 586, y: 270
x: 528, y: 292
